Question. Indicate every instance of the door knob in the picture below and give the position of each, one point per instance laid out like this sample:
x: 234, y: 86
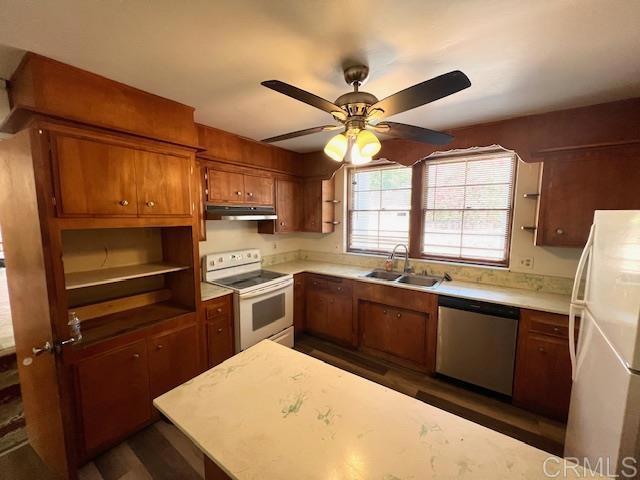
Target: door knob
x: 47, y: 347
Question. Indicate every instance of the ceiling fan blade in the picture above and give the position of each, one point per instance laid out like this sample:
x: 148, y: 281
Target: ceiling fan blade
x: 422, y: 93
x: 412, y: 132
x: 300, y: 133
x: 306, y: 97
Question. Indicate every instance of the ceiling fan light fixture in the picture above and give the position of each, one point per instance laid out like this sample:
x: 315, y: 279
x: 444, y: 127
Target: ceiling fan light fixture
x: 356, y: 156
x: 336, y: 148
x: 368, y: 143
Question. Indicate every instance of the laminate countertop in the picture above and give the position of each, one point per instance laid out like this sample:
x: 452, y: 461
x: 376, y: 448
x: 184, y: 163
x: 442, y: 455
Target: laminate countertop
x: 545, y: 302
x: 209, y: 291
x: 271, y: 412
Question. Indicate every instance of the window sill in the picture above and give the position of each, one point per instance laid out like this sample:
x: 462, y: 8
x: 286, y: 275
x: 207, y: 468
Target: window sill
x: 426, y: 260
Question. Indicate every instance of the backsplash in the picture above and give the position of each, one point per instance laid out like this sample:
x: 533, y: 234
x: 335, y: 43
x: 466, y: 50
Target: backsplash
x: 488, y: 276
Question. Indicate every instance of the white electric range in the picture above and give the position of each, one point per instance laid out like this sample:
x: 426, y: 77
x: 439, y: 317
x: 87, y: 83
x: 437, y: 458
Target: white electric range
x: 262, y: 300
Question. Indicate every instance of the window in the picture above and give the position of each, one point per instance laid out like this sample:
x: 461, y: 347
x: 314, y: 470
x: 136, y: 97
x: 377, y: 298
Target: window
x: 379, y: 208
x: 467, y: 208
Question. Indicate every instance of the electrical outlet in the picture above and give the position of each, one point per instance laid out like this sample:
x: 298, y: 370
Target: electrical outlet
x: 526, y: 262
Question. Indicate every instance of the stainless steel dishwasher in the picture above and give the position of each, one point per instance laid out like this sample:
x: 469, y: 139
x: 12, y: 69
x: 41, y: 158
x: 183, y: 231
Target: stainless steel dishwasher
x: 477, y: 342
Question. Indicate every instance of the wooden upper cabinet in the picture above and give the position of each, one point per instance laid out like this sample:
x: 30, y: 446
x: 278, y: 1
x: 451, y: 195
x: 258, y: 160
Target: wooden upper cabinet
x: 575, y: 184
x: 94, y: 178
x: 319, y: 206
x: 288, y: 208
x: 225, y: 187
x: 102, y: 176
x: 258, y: 190
x: 163, y: 184
x: 238, y: 188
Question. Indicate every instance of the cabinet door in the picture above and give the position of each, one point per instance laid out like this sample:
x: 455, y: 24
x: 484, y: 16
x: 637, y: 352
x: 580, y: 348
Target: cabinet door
x: 574, y: 185
x: 312, y: 203
x: 173, y: 359
x: 288, y: 206
x: 225, y: 187
x: 94, y: 178
x: 298, y: 302
x: 163, y: 184
x: 543, y: 376
x: 399, y: 333
x: 258, y: 190
x: 220, y: 342
x: 316, y: 306
x: 340, y: 318
x: 114, y: 394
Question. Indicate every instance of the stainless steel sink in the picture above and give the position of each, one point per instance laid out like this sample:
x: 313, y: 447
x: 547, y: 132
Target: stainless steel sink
x: 419, y: 280
x: 408, y: 279
x: 384, y: 275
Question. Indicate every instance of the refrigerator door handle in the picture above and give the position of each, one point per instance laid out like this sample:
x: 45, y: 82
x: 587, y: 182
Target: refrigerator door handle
x: 575, y: 300
x: 572, y: 339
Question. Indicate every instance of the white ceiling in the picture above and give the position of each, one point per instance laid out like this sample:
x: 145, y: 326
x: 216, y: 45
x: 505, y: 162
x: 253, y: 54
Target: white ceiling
x: 522, y: 57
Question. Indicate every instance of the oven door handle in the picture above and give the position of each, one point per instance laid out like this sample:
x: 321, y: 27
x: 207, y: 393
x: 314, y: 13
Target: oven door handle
x: 264, y: 291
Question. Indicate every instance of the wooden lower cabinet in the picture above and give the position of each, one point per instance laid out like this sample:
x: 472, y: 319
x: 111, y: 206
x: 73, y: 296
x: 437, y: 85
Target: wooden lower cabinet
x: 114, y: 394
x: 172, y: 359
x: 397, y: 332
x: 542, y: 382
x: 397, y: 324
x: 219, y: 331
x: 329, y: 308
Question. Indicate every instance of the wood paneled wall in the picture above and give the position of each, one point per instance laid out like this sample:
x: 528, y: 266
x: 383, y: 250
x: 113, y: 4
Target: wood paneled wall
x: 533, y: 137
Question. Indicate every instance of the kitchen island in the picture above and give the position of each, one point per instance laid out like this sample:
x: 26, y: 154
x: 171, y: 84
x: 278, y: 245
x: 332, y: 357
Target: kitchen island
x: 274, y: 413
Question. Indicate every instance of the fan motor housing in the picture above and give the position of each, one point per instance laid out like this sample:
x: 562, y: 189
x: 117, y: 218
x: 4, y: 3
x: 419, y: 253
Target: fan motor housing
x: 356, y: 103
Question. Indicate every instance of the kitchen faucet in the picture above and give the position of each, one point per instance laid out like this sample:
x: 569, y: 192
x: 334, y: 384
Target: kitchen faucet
x: 407, y: 268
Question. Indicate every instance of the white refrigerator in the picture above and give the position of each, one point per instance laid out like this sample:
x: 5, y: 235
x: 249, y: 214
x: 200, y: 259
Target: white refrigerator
x: 603, y: 429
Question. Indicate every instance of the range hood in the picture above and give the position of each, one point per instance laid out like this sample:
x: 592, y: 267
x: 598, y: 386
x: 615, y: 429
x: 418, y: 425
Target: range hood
x: 241, y: 212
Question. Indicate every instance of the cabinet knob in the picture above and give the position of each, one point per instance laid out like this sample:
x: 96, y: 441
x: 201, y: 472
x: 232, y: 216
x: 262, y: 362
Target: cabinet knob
x: 159, y: 346
x: 136, y: 355
x: 249, y: 194
x: 151, y: 204
x: 238, y: 193
x: 219, y: 309
x: 282, y: 224
x: 220, y: 330
x: 384, y: 312
x: 556, y: 329
x: 559, y: 231
x: 398, y: 315
x: 339, y: 289
x: 541, y: 350
x: 124, y: 203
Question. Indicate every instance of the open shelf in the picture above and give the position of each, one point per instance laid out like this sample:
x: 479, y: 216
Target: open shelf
x: 118, y: 274
x: 114, y: 324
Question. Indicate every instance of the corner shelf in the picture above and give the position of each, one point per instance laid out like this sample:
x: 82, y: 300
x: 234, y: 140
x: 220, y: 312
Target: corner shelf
x: 104, y: 276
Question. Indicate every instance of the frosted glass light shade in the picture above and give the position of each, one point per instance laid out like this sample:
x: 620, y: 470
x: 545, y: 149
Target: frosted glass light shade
x: 356, y: 157
x: 336, y: 148
x: 368, y: 143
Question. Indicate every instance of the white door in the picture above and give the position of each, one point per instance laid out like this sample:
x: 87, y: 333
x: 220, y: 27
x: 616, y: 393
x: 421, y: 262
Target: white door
x: 613, y: 296
x: 604, y: 417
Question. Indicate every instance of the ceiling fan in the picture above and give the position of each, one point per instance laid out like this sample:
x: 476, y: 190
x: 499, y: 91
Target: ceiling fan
x: 361, y: 113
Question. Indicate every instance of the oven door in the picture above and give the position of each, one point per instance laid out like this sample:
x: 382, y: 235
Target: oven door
x: 263, y: 313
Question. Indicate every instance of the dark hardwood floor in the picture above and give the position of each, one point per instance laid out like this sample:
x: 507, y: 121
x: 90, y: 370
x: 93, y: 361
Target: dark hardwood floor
x: 162, y: 452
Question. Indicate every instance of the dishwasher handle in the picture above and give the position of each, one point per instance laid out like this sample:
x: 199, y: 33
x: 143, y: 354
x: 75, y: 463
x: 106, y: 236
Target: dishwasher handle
x: 476, y: 306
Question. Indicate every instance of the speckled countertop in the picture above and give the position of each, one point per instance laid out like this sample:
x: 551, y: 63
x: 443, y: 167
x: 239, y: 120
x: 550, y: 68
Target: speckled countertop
x: 546, y: 302
x: 273, y: 413
x: 209, y: 291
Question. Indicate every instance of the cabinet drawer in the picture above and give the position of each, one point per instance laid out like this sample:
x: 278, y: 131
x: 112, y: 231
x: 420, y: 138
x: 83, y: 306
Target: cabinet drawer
x: 317, y: 283
x: 114, y: 394
x: 547, y: 323
x: 217, y: 308
x: 343, y: 288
